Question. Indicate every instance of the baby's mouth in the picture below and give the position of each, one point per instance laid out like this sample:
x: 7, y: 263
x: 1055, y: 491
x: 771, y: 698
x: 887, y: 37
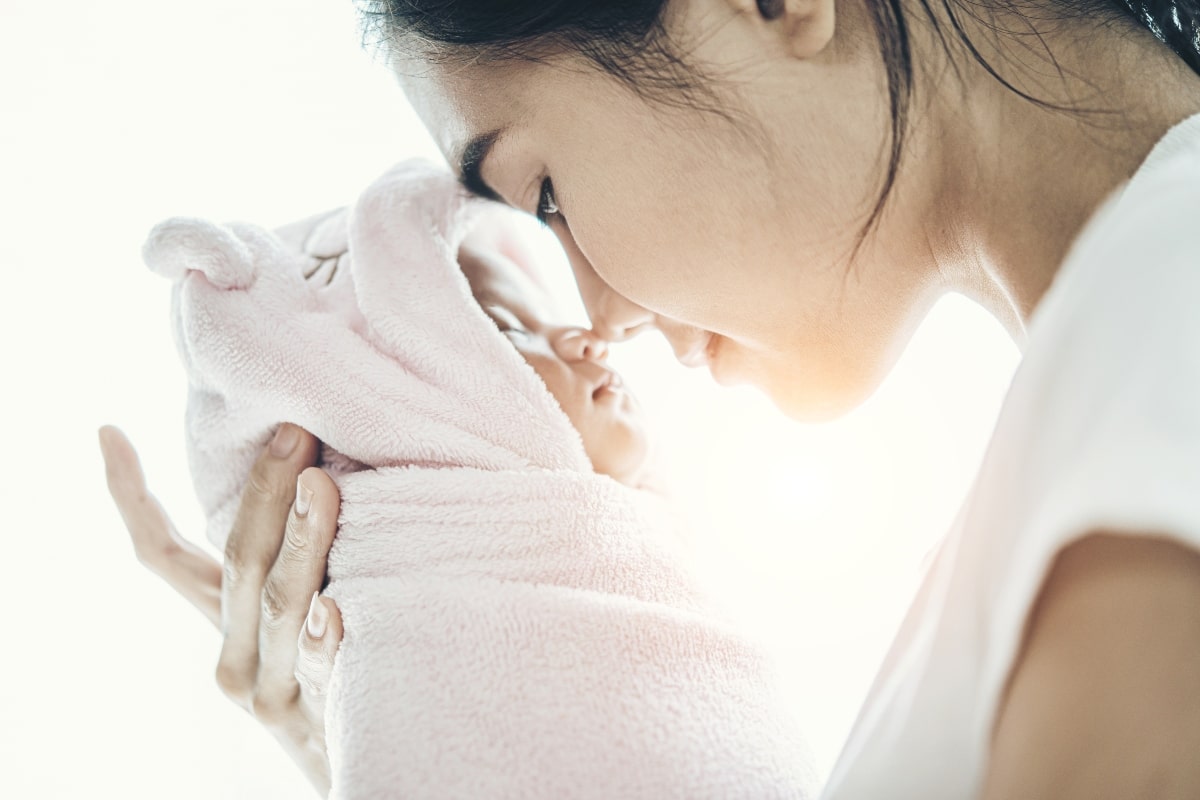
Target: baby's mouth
x: 609, y: 382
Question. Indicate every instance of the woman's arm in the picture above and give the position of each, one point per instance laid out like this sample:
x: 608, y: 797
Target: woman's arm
x: 280, y: 636
x: 1104, y: 700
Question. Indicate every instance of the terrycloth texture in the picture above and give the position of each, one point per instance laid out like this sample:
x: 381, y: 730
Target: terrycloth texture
x: 515, y: 626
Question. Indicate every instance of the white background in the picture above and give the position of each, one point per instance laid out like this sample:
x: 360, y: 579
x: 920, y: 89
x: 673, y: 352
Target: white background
x: 115, y: 115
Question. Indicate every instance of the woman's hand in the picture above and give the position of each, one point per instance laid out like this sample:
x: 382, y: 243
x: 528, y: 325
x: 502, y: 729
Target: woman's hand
x: 280, y: 635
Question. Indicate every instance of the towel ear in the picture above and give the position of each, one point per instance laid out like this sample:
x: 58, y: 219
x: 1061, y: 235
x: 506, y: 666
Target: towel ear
x: 181, y: 244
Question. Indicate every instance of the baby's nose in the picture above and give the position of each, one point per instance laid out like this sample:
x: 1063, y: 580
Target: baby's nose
x: 577, y: 344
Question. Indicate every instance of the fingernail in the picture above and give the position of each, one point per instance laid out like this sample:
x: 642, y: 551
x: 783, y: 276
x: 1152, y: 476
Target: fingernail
x: 318, y: 618
x: 304, y: 496
x: 285, y: 441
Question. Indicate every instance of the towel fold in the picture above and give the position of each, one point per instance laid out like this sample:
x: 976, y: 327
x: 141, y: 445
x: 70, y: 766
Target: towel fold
x: 516, y: 626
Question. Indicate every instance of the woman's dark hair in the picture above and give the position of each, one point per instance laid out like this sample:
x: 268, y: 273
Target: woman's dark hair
x: 626, y: 39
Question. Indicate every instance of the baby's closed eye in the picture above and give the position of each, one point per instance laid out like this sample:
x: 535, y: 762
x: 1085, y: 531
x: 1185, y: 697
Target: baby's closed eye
x: 505, y: 320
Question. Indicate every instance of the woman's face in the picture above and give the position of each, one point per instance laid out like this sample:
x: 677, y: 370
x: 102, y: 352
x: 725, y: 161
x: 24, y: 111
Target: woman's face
x: 729, y: 231
x: 568, y: 359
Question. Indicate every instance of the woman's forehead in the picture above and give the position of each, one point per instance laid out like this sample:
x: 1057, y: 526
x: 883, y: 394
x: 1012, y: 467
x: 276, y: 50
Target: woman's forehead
x: 458, y: 103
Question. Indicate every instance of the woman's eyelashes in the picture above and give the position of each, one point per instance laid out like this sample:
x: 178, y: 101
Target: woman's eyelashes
x: 547, y: 205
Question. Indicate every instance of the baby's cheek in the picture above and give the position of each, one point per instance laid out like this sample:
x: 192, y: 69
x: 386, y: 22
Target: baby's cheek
x: 547, y: 369
x: 561, y: 386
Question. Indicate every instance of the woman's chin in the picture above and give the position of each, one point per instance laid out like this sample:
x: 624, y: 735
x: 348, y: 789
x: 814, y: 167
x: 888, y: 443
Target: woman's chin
x: 802, y: 388
x: 820, y: 400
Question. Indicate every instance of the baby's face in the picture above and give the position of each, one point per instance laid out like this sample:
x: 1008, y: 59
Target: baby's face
x: 569, y: 360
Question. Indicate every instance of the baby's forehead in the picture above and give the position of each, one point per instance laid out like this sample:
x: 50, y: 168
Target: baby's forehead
x: 497, y: 280
x: 530, y: 262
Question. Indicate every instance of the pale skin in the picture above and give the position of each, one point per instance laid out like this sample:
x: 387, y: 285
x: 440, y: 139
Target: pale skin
x: 731, y: 241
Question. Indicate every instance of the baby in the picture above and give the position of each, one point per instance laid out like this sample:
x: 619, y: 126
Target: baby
x: 515, y: 623
x: 569, y: 360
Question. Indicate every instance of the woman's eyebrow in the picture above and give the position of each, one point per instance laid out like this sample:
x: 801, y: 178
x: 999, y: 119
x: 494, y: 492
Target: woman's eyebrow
x: 470, y: 164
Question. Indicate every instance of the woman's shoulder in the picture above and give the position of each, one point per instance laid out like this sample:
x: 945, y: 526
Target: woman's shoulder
x: 1103, y: 414
x: 1119, y: 329
x: 1140, y: 248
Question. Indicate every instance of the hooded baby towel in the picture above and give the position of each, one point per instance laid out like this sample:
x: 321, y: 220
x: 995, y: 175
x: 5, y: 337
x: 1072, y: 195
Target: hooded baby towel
x: 515, y: 625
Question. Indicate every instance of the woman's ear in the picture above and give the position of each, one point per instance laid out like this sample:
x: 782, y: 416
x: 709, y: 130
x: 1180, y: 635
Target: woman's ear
x: 806, y: 25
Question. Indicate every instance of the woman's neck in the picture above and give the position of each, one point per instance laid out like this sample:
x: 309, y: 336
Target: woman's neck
x: 1021, y: 180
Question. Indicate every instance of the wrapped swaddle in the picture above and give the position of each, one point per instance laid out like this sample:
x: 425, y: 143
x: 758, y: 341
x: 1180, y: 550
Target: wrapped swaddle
x: 515, y: 625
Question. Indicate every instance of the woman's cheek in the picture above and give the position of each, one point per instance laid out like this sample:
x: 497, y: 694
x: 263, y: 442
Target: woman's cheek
x: 636, y: 263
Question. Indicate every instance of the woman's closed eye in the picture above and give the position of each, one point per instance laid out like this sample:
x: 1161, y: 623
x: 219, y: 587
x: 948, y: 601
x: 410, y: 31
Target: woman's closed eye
x: 547, y: 205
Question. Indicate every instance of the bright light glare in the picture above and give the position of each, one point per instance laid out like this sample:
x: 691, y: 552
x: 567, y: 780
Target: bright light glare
x: 120, y: 114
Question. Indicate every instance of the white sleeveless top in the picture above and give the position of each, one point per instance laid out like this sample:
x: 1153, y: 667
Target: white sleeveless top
x: 1100, y: 430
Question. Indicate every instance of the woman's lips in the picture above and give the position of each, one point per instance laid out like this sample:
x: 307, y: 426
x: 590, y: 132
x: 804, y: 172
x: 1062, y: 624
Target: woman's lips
x: 706, y: 354
x: 724, y: 372
x: 698, y: 355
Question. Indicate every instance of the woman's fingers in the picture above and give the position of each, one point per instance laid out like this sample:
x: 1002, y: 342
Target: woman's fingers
x: 156, y: 542
x: 250, y: 552
x: 298, y: 572
x: 318, y: 644
x: 272, y: 662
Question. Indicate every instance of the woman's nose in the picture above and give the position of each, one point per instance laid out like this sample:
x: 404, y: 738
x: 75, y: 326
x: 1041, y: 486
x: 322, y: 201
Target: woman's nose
x: 577, y: 344
x: 614, y: 318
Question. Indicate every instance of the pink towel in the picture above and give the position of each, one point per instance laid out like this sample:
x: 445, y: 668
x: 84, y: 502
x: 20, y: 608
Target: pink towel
x: 516, y: 626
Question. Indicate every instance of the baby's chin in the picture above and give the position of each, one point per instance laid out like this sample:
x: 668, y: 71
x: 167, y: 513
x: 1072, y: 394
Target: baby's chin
x: 622, y: 452
x: 631, y: 473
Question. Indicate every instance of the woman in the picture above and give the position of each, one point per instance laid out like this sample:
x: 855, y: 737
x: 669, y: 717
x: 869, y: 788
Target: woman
x: 783, y: 188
